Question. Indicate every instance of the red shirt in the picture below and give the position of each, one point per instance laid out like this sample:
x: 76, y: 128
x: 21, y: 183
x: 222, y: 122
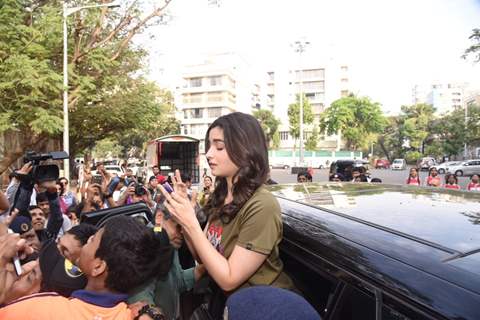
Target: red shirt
x: 473, y: 186
x: 452, y: 186
x: 413, y: 181
x: 430, y: 181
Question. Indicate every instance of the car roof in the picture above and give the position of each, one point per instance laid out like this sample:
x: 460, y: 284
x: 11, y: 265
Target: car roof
x: 395, y: 220
x: 448, y: 218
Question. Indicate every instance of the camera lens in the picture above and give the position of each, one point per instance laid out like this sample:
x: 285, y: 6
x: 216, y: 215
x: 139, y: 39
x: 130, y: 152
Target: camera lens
x: 140, y: 190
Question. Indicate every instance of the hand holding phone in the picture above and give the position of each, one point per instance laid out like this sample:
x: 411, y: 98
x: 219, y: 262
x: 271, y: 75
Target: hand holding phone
x: 168, y: 187
x: 16, y: 260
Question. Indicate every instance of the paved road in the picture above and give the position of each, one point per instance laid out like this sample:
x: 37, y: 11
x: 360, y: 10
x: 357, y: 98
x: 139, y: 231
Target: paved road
x: 387, y: 176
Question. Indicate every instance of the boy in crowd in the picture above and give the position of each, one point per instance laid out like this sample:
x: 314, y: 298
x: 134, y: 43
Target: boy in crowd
x: 164, y: 292
x: 121, y: 255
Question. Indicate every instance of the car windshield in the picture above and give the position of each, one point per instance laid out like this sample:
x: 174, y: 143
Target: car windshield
x: 397, y: 161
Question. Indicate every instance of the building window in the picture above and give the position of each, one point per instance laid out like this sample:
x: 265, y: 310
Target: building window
x: 185, y: 130
x: 214, y: 112
x: 195, y: 82
x: 284, y: 135
x: 215, y: 96
x: 196, y: 113
x: 197, y: 129
x: 344, y: 80
x: 344, y: 68
x: 216, y: 81
x: 192, y: 98
x: 344, y: 93
x: 271, y: 76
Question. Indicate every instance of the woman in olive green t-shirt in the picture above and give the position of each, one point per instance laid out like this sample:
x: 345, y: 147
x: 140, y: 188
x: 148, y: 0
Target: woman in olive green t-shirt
x: 240, y: 244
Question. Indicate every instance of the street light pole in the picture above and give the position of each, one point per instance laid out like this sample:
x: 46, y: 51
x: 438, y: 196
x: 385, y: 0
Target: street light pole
x: 300, y: 47
x: 465, y: 151
x: 66, y: 131
x: 66, y: 137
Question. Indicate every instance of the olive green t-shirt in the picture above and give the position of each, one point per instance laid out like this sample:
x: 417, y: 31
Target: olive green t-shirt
x: 257, y: 227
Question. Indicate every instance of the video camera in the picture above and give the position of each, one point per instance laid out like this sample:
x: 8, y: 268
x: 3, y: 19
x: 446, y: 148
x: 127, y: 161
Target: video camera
x: 42, y: 173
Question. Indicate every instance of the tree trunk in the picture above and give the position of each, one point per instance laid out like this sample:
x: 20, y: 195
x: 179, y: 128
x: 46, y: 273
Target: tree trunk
x: 382, y: 146
x: 11, y: 156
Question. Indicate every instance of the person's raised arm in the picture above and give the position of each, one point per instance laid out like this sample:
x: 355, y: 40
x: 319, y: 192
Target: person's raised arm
x: 55, y: 220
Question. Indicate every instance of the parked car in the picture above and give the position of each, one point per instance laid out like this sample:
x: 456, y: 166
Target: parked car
x: 399, y: 164
x: 279, y: 166
x: 344, y: 167
x: 112, y: 169
x: 442, y: 168
x: 360, y: 251
x: 466, y: 168
x: 382, y: 164
x: 425, y: 163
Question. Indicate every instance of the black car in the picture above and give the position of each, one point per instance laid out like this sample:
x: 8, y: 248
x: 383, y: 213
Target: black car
x: 344, y: 168
x: 367, y: 251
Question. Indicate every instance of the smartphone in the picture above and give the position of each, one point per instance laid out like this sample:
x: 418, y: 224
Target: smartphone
x: 16, y: 261
x: 168, y: 187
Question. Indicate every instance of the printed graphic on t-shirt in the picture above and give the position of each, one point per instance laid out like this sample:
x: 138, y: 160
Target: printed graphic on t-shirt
x: 214, y: 235
x: 72, y: 270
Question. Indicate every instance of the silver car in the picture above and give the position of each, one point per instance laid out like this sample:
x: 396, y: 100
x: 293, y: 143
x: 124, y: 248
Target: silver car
x: 466, y: 168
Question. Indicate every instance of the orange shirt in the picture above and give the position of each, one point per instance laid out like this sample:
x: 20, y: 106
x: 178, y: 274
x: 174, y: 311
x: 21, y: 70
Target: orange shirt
x: 51, y: 306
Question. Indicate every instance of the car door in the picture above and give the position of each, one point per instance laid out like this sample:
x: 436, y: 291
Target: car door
x: 474, y: 167
x: 468, y: 168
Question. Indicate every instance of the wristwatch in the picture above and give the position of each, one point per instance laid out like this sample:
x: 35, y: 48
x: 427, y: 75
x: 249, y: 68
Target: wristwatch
x: 151, y: 311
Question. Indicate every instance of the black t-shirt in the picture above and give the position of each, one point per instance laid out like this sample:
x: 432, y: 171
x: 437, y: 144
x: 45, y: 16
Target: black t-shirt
x: 59, y: 274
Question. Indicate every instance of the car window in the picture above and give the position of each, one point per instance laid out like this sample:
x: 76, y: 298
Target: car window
x: 317, y: 286
x: 356, y: 303
x: 394, y: 310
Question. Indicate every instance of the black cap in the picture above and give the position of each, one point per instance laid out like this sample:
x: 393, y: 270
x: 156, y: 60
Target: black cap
x: 59, y: 274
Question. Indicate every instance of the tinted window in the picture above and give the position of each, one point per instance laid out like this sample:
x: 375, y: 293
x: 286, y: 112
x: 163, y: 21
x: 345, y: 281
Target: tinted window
x: 316, y: 287
x: 394, y: 310
x: 355, y: 304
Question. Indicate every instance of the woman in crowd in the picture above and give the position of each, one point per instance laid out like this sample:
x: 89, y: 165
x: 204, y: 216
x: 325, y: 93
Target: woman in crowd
x: 240, y: 245
x: 413, y: 178
x: 206, y: 191
x: 474, y: 184
x: 433, y: 179
x: 68, y: 196
x: 451, y: 182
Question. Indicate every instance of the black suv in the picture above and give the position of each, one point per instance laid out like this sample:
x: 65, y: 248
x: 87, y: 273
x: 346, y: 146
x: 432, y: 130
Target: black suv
x: 361, y: 251
x: 344, y: 167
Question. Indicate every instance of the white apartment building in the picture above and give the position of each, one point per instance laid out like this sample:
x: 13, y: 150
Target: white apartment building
x: 320, y: 84
x: 219, y: 85
x: 444, y: 97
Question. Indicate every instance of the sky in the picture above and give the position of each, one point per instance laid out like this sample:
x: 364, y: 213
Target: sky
x: 389, y: 45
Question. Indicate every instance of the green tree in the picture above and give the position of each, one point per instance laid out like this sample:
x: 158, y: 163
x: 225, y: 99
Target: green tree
x: 312, y: 140
x: 355, y: 117
x: 107, y: 94
x: 416, y: 125
x: 294, y: 116
x: 390, y: 141
x: 269, y: 124
x: 474, y: 49
x: 450, y: 134
x: 107, y: 147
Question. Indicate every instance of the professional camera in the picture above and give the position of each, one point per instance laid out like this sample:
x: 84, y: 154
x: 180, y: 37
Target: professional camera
x: 42, y: 173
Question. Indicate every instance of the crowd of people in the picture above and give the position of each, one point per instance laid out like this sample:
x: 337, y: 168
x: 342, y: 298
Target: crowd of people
x: 222, y: 241
x: 434, y: 180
